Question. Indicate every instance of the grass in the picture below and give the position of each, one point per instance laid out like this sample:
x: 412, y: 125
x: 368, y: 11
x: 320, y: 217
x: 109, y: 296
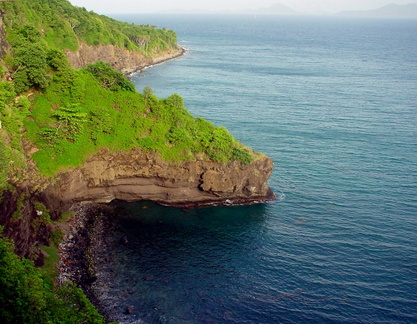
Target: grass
x: 50, y: 267
x: 120, y: 119
x: 71, y: 114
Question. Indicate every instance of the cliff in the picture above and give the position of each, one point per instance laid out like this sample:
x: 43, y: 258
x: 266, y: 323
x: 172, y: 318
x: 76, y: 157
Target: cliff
x: 135, y: 175
x: 121, y: 60
x: 130, y: 176
x: 57, y: 125
x: 24, y: 224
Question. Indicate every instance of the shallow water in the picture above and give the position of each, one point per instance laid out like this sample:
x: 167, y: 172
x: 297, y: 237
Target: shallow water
x: 334, y: 103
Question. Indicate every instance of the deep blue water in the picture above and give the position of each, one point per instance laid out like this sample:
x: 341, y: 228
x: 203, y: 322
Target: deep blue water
x: 334, y: 103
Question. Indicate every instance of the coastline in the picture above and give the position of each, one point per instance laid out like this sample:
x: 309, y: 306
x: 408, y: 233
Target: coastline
x: 77, y: 262
x: 74, y: 262
x: 85, y: 250
x: 182, y: 51
x: 85, y: 258
x: 225, y: 202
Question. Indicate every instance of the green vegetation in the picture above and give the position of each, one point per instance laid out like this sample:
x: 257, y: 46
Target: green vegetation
x: 61, y: 25
x: 19, y: 206
x: 27, y: 298
x: 49, y: 270
x: 109, y: 78
x: 68, y: 129
x: 66, y: 216
x: 69, y: 114
x: 4, y: 166
x: 59, y: 116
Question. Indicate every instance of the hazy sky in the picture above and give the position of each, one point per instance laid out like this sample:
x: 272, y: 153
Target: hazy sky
x: 310, y: 6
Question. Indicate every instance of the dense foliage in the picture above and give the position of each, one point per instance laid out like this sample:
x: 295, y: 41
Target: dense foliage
x: 62, y: 24
x: 26, y: 297
x: 69, y: 114
x: 70, y: 121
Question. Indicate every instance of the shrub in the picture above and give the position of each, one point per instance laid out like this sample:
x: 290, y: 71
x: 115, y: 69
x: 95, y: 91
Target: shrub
x: 27, y: 298
x: 109, y: 78
x: 4, y: 166
x: 30, y: 67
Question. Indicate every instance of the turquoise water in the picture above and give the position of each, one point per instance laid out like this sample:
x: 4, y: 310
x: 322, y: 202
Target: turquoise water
x: 334, y: 103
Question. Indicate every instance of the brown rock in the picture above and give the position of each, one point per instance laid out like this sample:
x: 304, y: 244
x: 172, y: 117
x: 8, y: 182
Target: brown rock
x: 4, y: 45
x: 120, y: 59
x: 135, y: 175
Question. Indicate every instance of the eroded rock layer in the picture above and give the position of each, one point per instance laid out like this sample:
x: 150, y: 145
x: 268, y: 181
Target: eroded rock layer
x: 135, y: 175
x: 120, y: 59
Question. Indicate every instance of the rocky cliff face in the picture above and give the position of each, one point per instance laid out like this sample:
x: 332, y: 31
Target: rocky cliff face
x: 4, y: 46
x: 120, y: 59
x: 136, y: 175
x: 23, y: 224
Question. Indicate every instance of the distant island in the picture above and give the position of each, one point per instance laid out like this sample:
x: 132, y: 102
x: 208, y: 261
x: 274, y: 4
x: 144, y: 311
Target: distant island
x: 388, y: 11
x: 274, y: 9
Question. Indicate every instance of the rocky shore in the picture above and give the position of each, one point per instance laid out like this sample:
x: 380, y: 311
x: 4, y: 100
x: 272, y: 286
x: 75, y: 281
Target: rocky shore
x: 85, y: 254
x: 75, y: 263
x: 85, y: 258
x: 76, y: 259
x: 157, y: 61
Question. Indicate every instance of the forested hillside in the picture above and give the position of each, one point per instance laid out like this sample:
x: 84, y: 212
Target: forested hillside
x: 68, y: 114
x: 62, y: 25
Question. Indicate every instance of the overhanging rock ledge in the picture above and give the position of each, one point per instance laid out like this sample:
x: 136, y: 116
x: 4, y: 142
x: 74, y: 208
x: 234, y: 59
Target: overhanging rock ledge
x: 137, y: 175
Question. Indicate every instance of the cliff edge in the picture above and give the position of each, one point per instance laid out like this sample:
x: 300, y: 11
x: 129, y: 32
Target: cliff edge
x: 58, y: 123
x: 121, y: 60
x: 137, y: 175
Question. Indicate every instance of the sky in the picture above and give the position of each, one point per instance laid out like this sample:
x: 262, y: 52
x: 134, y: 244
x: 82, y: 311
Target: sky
x: 153, y: 6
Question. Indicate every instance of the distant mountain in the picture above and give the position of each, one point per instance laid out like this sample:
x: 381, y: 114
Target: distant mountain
x: 388, y: 11
x: 275, y: 9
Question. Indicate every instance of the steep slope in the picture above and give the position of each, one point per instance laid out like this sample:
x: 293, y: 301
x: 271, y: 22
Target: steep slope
x: 86, y: 37
x: 123, y: 60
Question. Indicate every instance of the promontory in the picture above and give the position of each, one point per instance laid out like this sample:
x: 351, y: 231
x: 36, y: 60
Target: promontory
x: 73, y: 129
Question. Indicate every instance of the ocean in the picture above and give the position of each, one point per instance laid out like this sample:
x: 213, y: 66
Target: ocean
x: 333, y: 101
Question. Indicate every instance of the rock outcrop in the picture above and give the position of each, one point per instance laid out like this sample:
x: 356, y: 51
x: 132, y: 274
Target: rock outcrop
x: 135, y: 175
x: 4, y: 46
x: 23, y: 224
x: 120, y: 59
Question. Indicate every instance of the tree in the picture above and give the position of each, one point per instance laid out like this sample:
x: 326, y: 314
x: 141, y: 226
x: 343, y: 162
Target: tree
x: 30, y: 67
x: 71, y: 120
x: 110, y: 78
x: 21, y: 289
x: 26, y: 298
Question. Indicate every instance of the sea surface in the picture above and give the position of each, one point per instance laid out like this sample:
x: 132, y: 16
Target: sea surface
x: 333, y: 101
